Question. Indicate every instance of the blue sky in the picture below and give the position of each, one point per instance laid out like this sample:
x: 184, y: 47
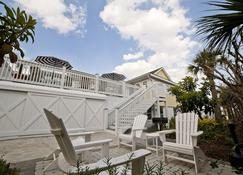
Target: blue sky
x: 99, y: 36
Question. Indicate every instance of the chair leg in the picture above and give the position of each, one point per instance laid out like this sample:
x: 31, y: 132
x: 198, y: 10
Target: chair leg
x: 133, y: 145
x: 119, y: 144
x: 164, y: 156
x: 195, y: 162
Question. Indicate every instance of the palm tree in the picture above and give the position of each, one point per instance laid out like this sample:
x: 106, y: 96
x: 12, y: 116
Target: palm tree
x: 220, y: 29
x: 205, y: 62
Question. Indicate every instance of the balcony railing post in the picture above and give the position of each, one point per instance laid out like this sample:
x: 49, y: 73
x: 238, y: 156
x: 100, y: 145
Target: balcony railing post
x: 124, y: 89
x: 63, y: 76
x: 96, y: 83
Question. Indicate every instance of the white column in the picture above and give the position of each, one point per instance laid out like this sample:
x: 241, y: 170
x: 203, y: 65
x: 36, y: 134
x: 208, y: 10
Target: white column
x: 158, y: 95
x: 158, y: 107
x: 124, y: 89
x: 116, y: 120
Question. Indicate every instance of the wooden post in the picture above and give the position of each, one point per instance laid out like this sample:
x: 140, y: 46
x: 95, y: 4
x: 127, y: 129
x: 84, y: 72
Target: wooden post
x: 138, y: 166
x: 116, y: 120
x: 63, y: 76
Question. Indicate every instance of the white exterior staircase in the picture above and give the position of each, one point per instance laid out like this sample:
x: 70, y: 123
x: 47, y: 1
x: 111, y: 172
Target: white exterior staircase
x: 121, y: 117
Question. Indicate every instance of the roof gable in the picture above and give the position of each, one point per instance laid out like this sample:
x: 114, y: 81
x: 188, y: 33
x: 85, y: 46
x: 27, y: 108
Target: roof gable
x: 162, y: 73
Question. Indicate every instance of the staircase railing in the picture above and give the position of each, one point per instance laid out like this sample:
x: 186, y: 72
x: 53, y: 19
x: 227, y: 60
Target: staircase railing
x: 111, y: 113
x: 124, y: 115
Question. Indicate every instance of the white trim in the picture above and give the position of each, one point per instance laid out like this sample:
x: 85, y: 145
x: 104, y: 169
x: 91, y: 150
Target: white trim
x: 6, y: 85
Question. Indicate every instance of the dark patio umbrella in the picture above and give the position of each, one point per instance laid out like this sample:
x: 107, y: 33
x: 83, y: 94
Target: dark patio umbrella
x: 53, y: 61
x: 114, y: 76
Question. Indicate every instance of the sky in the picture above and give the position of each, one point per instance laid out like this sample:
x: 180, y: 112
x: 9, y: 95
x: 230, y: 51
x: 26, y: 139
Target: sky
x: 130, y: 37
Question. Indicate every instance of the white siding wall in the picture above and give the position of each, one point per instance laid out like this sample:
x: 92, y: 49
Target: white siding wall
x: 21, y: 109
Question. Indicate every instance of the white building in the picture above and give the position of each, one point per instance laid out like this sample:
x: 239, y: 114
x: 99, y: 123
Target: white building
x: 84, y: 101
x: 167, y: 103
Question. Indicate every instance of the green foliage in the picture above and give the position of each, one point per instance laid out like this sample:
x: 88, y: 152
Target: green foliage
x: 214, y: 164
x: 219, y: 29
x: 190, y: 99
x: 157, y: 168
x: 223, y: 31
x: 5, y: 168
x: 172, y: 123
x: 15, y: 27
x: 214, y: 132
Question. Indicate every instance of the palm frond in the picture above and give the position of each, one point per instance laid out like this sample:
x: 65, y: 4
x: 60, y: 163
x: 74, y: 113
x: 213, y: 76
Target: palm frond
x: 220, y: 29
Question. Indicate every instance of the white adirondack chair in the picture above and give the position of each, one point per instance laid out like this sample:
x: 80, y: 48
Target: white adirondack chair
x: 70, y: 150
x: 137, y: 130
x: 186, y: 138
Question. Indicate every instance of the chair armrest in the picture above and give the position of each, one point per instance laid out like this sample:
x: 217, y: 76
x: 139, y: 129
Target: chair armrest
x: 196, y: 134
x: 167, y: 131
x: 92, y: 144
x: 138, y: 129
x: 194, y: 137
x: 162, y: 134
x: 81, y: 133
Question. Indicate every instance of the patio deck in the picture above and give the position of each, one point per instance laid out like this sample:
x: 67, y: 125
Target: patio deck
x: 28, y: 154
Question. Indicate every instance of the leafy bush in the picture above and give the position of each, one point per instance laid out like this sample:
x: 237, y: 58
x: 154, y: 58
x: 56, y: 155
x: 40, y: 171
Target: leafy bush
x: 172, y: 123
x: 5, y: 168
x: 214, y: 132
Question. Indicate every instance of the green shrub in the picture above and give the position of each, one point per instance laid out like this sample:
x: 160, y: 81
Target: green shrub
x: 214, y: 132
x: 5, y: 168
x: 172, y: 123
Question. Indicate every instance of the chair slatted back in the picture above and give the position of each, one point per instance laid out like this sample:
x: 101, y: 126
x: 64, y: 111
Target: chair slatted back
x: 139, y: 123
x: 186, y: 124
x: 59, y: 131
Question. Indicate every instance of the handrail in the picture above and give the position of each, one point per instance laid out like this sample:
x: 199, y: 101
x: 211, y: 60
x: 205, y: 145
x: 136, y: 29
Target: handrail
x: 28, y: 72
x: 131, y: 97
x: 147, y: 89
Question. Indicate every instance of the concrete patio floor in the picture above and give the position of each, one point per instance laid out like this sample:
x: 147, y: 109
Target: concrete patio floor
x: 28, y: 155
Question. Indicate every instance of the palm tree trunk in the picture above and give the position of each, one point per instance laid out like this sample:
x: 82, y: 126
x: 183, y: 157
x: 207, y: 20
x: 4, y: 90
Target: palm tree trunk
x: 217, y: 110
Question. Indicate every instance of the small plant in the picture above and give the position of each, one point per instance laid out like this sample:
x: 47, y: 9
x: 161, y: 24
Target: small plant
x: 214, y: 164
x: 238, y: 170
x: 157, y: 168
x: 5, y: 168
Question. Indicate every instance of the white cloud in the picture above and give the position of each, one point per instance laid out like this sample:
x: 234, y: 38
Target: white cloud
x: 55, y: 14
x: 132, y: 56
x: 163, y: 28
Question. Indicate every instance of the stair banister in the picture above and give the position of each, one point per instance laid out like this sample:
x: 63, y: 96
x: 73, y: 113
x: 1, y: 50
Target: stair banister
x: 137, y: 96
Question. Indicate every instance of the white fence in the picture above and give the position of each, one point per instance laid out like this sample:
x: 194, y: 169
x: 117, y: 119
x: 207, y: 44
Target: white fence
x: 39, y: 74
x: 21, y: 110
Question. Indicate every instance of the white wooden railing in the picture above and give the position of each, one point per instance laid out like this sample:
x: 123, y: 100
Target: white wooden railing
x: 123, y: 115
x: 38, y: 74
